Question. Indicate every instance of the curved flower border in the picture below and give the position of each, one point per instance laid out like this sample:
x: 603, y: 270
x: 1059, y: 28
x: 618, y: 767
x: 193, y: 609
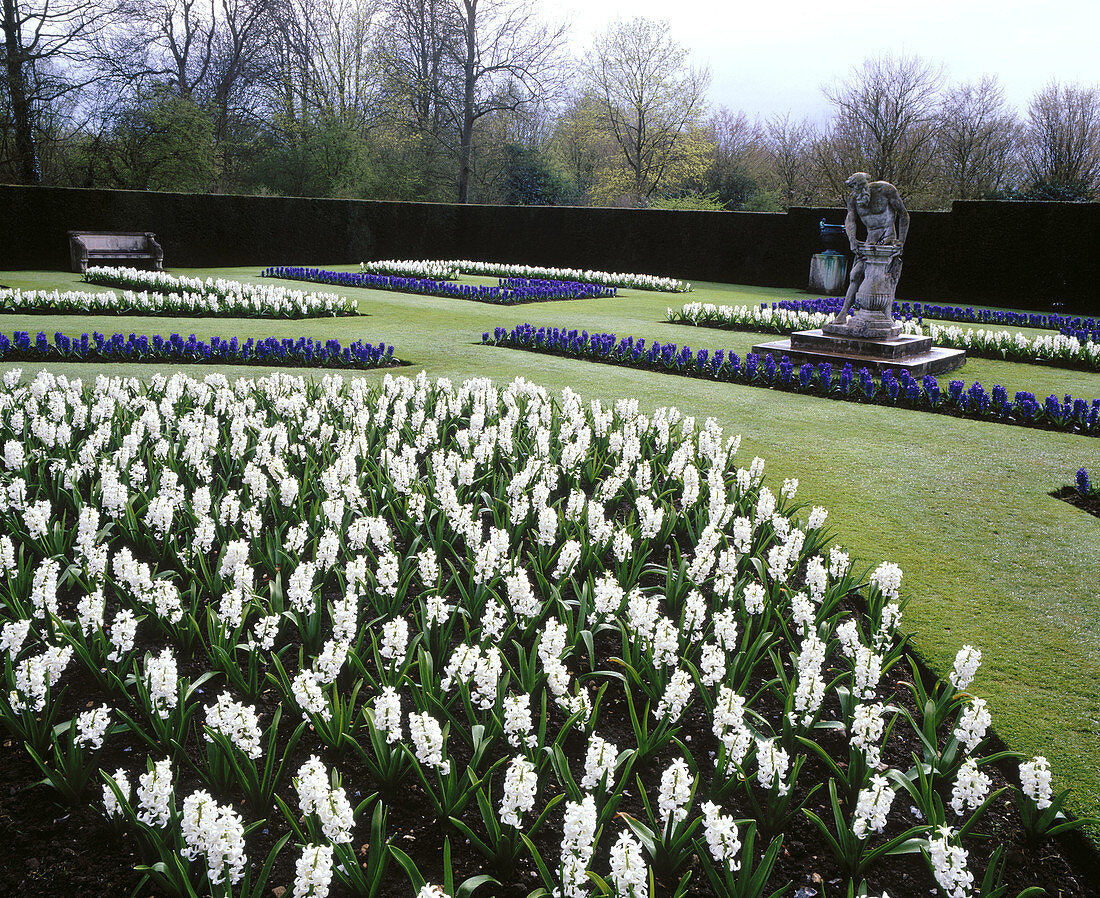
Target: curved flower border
x: 1055, y: 350
x: 172, y: 295
x: 283, y: 352
x: 902, y: 390
x: 905, y: 311
x: 511, y: 291
x: 449, y: 270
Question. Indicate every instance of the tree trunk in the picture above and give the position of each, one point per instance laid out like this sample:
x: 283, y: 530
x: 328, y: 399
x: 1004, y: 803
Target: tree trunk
x: 25, y: 150
x: 466, y: 144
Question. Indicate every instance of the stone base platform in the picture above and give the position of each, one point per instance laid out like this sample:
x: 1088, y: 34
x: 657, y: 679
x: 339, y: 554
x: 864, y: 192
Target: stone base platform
x: 914, y: 353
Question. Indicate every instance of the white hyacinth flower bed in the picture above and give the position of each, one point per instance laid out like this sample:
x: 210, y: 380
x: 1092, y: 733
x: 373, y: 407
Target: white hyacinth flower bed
x: 269, y: 626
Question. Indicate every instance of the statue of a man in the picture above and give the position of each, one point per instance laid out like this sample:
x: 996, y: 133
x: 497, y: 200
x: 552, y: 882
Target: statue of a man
x: 878, y: 205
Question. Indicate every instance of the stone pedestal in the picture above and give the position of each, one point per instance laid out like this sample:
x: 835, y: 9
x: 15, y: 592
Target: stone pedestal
x: 875, y: 297
x: 828, y: 274
x: 914, y: 353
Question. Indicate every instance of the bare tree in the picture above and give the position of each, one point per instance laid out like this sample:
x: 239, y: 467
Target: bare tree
x: 510, y: 58
x: 735, y: 135
x: 166, y: 42
x: 420, y: 43
x: 1063, y: 142
x: 47, y: 44
x: 345, y: 75
x: 651, y: 97
x: 979, y: 141
x: 422, y: 88
x: 739, y: 168
x: 789, y: 145
x: 884, y: 123
x: 238, y: 54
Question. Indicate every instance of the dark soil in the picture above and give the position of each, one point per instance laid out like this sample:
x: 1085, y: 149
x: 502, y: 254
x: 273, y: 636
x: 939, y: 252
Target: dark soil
x: 1069, y: 494
x: 47, y: 849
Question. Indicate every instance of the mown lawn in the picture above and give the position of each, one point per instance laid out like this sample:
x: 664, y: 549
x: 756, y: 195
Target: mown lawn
x: 990, y: 558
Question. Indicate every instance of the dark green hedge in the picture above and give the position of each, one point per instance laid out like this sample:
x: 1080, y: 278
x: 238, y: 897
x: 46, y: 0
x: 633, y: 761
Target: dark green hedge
x: 1021, y: 255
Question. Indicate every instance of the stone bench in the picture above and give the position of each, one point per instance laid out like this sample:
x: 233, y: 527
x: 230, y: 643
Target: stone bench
x: 127, y: 247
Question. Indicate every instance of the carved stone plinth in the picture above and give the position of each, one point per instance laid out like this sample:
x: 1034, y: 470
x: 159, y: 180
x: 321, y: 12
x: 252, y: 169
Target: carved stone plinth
x: 875, y: 296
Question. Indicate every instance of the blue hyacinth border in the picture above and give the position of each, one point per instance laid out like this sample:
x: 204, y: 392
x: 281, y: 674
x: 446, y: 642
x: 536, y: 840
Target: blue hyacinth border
x: 1084, y: 329
x: 279, y: 351
x: 901, y: 390
x: 510, y: 291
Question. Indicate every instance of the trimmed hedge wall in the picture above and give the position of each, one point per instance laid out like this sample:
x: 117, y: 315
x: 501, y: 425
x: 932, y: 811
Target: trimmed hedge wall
x: 1021, y: 255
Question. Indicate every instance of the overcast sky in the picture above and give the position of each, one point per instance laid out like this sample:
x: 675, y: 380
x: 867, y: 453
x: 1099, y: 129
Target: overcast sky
x: 770, y: 57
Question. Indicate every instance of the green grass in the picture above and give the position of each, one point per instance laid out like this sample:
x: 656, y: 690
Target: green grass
x: 989, y: 557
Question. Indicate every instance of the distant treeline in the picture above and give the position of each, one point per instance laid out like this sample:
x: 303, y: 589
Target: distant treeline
x: 439, y: 101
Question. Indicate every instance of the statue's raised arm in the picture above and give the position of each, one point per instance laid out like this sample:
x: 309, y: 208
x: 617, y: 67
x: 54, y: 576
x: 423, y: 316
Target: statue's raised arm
x: 851, y: 222
x: 898, y: 208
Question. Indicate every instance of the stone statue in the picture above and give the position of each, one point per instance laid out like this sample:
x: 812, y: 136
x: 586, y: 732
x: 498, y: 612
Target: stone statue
x: 871, y: 338
x: 878, y: 205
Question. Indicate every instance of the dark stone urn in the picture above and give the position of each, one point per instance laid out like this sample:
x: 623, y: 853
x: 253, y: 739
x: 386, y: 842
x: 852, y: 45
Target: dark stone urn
x: 833, y: 237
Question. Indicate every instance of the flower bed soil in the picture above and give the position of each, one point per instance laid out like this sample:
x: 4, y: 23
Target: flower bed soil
x: 1069, y: 494
x: 50, y: 849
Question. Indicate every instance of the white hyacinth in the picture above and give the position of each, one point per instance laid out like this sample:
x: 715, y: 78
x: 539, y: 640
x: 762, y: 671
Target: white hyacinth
x: 866, y: 731
x: 867, y: 672
x: 578, y: 835
x: 520, y: 787
x: 216, y: 834
x: 1035, y: 781
x: 154, y: 794
x: 427, y: 738
x: 949, y: 864
x: 729, y: 725
x: 237, y: 722
x: 599, y: 761
x: 313, y: 872
x: 12, y: 636
x: 722, y: 837
x: 110, y: 800
x: 91, y: 727
x: 317, y: 796
x: 675, y: 792
x: 754, y: 598
x: 887, y: 577
x: 676, y: 696
x: 629, y: 873
x: 518, y: 723
x: 872, y: 807
x: 308, y: 695
x: 967, y: 662
x: 773, y: 764
x: 712, y: 664
x: 970, y: 788
x: 122, y: 634
x: 973, y: 724
x: 160, y: 681
x: 387, y: 714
